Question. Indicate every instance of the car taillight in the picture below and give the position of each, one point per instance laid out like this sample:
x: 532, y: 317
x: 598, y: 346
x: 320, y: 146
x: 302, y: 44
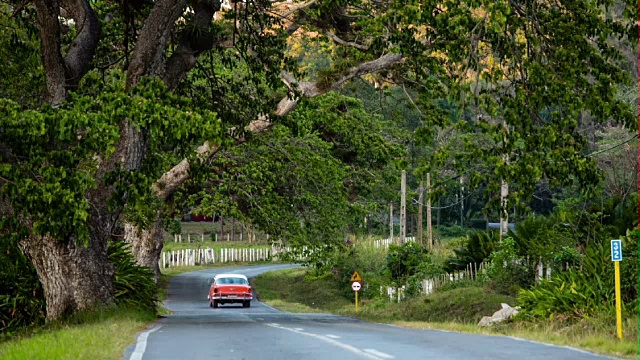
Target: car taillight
x: 215, y: 290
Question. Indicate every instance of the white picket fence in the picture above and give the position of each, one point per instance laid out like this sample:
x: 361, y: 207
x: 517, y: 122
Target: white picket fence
x: 472, y: 272
x: 192, y: 257
x: 384, y: 243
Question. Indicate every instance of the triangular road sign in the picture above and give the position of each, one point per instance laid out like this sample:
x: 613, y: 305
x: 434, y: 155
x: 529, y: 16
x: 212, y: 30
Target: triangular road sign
x: 356, y: 277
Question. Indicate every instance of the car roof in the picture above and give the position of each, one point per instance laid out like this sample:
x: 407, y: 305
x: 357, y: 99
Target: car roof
x: 230, y: 276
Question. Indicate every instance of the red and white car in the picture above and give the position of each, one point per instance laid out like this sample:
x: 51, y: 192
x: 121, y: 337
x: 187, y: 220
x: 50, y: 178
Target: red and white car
x: 229, y: 289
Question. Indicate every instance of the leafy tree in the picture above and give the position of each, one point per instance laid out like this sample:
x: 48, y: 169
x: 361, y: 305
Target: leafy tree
x: 139, y: 97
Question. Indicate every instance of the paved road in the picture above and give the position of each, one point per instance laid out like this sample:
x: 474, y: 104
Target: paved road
x: 196, y: 331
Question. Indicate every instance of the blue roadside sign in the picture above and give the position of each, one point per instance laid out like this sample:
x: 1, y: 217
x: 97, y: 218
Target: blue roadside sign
x: 616, y: 250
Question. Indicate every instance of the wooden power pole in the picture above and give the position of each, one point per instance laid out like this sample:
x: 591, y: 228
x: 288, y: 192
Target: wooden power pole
x: 391, y: 222
x: 429, y: 228
x: 420, y: 200
x: 504, y: 191
x: 403, y: 207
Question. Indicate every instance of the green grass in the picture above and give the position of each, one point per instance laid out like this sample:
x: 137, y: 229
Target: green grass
x: 97, y: 335
x: 458, y: 310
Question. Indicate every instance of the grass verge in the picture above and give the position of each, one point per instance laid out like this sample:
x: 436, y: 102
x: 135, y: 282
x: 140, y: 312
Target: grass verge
x: 102, y: 334
x: 457, y: 310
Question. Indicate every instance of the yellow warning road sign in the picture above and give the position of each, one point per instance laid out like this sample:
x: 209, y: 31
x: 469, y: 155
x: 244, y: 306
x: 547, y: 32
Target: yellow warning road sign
x: 356, y: 277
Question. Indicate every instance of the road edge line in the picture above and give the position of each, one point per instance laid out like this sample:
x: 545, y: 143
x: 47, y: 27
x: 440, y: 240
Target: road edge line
x: 141, y: 343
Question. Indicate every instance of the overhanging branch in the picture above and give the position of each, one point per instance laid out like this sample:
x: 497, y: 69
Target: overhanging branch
x: 175, y: 177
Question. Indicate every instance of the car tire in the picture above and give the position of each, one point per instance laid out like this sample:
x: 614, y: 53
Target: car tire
x: 246, y: 304
x: 210, y: 303
x: 215, y: 304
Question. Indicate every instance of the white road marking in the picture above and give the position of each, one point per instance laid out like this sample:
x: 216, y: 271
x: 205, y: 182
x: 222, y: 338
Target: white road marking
x: 141, y: 344
x: 298, y: 329
x: 379, y: 353
x: 337, y: 343
x: 333, y: 336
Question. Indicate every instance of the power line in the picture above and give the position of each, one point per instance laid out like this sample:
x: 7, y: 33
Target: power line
x: 414, y: 201
x: 614, y: 146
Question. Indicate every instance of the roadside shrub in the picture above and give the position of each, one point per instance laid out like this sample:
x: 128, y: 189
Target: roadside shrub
x: 424, y: 270
x: 22, y: 301
x: 403, y: 260
x: 174, y: 226
x: 540, y: 237
x: 506, y: 273
x: 583, y: 293
x: 133, y: 284
x: 475, y: 249
x: 342, y: 261
x: 453, y: 231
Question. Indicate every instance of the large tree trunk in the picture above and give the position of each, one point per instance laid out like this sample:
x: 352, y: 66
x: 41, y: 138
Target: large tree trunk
x: 146, y: 244
x: 74, y: 278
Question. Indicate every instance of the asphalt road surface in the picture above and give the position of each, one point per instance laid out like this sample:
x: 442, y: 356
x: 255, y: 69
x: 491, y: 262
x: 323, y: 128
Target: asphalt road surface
x: 231, y: 332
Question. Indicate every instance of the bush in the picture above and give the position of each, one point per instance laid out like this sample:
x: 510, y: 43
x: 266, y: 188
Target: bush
x: 403, y: 260
x: 506, y: 273
x: 539, y: 237
x: 453, y: 231
x: 22, y: 301
x: 475, y: 249
x: 583, y: 293
x: 134, y: 285
x: 342, y: 261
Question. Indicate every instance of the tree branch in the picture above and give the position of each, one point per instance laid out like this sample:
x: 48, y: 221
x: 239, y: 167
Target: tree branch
x: 338, y: 40
x: 63, y: 73
x: 49, y: 26
x: 191, y: 45
x: 301, y: 7
x: 84, y: 46
x: 148, y: 53
x: 175, y: 177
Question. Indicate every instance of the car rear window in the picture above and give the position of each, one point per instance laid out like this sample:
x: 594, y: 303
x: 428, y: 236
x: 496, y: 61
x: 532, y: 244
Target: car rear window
x: 232, y: 281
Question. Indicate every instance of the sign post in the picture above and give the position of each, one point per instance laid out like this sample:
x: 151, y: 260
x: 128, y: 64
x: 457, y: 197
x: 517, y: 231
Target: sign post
x: 616, y: 257
x: 356, y: 285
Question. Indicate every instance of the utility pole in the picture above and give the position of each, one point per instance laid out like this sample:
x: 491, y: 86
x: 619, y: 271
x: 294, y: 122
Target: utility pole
x: 233, y: 229
x: 429, y: 229
x: 420, y: 201
x: 391, y: 222
x: 504, y: 190
x: 403, y: 207
x: 504, y: 214
x: 461, y: 202
x: 221, y: 228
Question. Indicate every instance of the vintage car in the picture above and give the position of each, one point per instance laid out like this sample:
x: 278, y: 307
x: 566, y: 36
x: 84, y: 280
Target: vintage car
x: 229, y: 289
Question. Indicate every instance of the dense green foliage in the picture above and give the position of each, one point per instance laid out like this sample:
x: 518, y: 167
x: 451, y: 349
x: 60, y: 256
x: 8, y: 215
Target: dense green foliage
x: 506, y: 272
x: 474, y: 250
x: 589, y: 290
x: 133, y: 284
x: 301, y: 181
x: 49, y: 156
x: 21, y: 295
x: 403, y: 260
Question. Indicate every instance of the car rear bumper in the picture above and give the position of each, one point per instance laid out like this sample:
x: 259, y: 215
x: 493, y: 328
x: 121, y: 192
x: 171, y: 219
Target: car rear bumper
x: 233, y: 298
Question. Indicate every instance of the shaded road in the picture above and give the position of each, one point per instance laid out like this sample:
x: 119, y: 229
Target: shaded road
x: 196, y: 331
